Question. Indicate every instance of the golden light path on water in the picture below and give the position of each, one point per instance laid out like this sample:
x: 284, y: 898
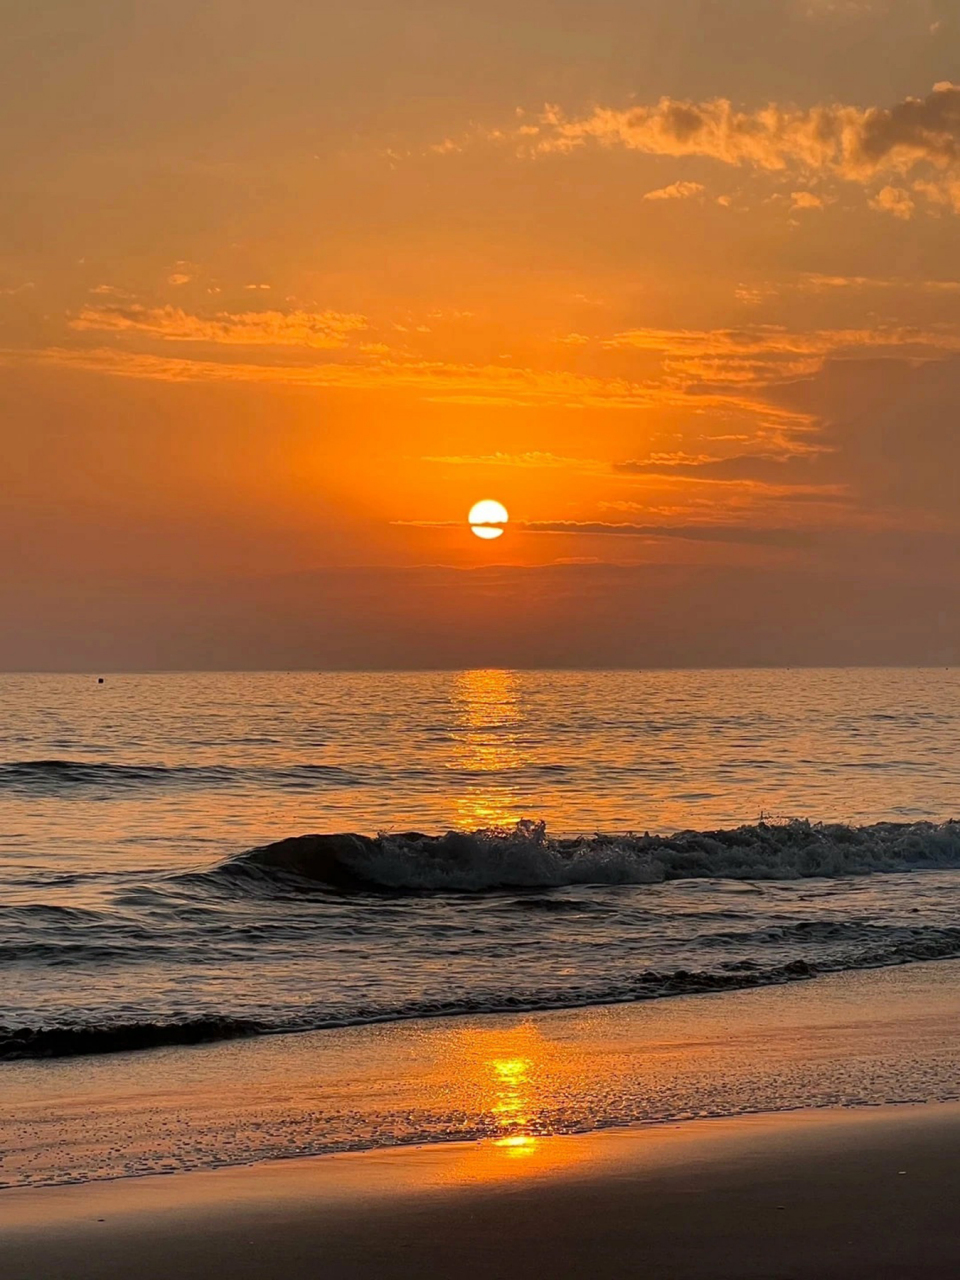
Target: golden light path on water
x: 487, y: 749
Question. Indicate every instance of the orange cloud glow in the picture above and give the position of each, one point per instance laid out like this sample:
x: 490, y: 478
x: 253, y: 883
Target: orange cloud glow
x: 853, y: 142
x: 699, y: 317
x: 325, y: 329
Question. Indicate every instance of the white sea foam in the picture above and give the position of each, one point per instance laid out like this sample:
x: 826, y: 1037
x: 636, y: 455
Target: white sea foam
x: 526, y: 857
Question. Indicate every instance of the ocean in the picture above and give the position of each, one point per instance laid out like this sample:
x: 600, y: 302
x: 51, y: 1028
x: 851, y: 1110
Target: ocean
x: 498, y: 841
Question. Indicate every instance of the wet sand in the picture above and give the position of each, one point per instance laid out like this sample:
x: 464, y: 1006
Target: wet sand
x: 844, y: 1040
x: 812, y: 1191
x: 869, y: 1193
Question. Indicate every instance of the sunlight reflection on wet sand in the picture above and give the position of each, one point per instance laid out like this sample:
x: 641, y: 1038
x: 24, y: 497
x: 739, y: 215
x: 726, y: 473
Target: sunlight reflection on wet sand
x: 497, y: 1089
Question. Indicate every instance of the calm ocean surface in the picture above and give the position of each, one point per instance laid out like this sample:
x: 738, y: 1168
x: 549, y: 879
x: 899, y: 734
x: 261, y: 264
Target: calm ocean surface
x: 133, y: 913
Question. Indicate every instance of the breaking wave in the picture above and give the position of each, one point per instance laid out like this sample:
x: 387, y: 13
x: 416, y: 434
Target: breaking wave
x: 527, y: 858
x: 323, y: 931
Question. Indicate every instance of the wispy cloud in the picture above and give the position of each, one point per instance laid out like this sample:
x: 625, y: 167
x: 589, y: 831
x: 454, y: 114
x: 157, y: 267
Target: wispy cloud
x: 815, y: 283
x: 764, y: 355
x: 677, y: 191
x: 533, y: 460
x: 774, y: 470
x: 438, y: 380
x: 726, y: 533
x: 726, y: 370
x: 323, y: 329
x: 723, y: 533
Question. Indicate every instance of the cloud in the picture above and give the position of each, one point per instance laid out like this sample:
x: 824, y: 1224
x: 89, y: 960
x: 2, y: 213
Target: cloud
x: 888, y: 430
x: 945, y: 192
x: 439, y: 380
x: 761, y: 356
x: 896, y: 201
x: 773, y: 339
x: 324, y: 329
x: 806, y: 200
x: 850, y: 142
x: 442, y: 381
x: 677, y: 191
x: 814, y: 283
x: 509, y: 616
x: 754, y: 295
x: 884, y: 442
x: 820, y: 9
x: 726, y: 371
x: 753, y: 468
x: 737, y: 534
x: 724, y: 533
x: 533, y: 460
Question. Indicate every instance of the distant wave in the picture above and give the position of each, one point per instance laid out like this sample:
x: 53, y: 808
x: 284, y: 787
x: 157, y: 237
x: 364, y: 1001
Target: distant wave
x: 68, y: 776
x: 525, y: 857
x: 76, y: 1040
x: 64, y: 776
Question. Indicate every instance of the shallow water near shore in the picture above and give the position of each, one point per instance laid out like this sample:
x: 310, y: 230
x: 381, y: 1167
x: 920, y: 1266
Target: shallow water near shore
x: 847, y: 1040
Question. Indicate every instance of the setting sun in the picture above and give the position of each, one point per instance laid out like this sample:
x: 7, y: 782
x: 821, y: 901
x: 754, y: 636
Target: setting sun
x: 487, y: 518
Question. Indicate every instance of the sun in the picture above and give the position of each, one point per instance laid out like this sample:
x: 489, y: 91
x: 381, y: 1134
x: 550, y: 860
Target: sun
x: 487, y: 518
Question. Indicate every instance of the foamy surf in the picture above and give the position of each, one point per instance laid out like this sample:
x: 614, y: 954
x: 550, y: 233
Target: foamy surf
x: 525, y: 857
x: 324, y: 931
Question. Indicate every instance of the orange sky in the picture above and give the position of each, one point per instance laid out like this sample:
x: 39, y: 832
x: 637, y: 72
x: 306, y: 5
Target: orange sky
x: 285, y: 289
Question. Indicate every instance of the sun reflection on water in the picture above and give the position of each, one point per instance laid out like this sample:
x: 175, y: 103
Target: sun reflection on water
x: 487, y: 748
x: 502, y: 1077
x: 513, y: 1102
x: 510, y: 1082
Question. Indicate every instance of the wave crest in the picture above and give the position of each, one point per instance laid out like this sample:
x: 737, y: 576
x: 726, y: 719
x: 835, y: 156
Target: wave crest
x: 525, y: 857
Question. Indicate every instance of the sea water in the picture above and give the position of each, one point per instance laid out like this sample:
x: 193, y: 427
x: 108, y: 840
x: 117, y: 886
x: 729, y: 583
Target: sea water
x: 534, y: 840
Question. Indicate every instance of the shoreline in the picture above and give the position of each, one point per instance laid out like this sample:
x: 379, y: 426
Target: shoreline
x: 841, y: 1193
x: 809, y: 1131
x: 863, y: 1038
x: 795, y: 971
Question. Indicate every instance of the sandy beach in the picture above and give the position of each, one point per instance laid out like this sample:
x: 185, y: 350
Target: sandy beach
x: 867, y: 1194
